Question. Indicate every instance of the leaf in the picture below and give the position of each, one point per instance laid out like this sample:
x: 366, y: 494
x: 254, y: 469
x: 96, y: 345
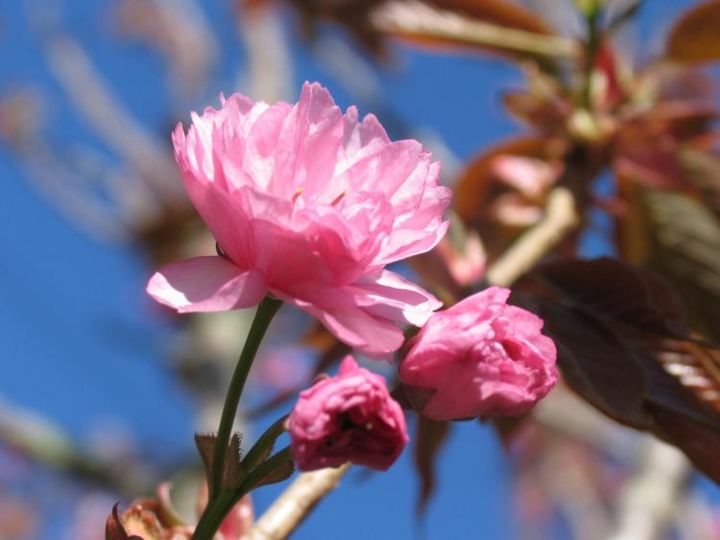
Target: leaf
x: 686, y: 252
x: 275, y: 469
x: 474, y: 187
x: 703, y: 171
x: 695, y: 37
x: 430, y: 438
x: 695, y: 367
x: 234, y: 472
x: 624, y: 347
x: 614, y: 290
x: 114, y: 529
x: 597, y: 365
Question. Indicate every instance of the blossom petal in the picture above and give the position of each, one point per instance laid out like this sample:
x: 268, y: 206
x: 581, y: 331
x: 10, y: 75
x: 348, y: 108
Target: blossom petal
x: 338, y: 310
x: 394, y: 297
x: 206, y: 284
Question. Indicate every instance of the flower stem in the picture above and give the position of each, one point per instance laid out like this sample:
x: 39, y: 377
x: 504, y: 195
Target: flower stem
x: 592, y: 47
x: 265, y: 312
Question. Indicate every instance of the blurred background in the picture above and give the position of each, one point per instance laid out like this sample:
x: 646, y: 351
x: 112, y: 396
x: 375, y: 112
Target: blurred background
x: 102, y: 389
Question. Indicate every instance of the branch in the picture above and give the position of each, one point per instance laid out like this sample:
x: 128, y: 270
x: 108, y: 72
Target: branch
x: 559, y: 219
x: 650, y: 498
x: 296, y: 502
x: 418, y: 19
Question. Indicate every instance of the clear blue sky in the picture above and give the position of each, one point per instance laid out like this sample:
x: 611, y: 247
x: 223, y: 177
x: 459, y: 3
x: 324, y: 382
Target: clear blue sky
x: 77, y: 339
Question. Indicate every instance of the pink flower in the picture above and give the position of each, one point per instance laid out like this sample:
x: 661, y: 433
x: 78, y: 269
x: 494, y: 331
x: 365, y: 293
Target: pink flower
x: 349, y: 417
x: 307, y: 204
x: 481, y: 357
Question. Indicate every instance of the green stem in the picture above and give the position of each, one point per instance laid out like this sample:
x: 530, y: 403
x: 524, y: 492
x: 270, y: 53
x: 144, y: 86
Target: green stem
x: 265, y: 312
x: 216, y: 510
x: 214, y: 515
x: 591, y: 50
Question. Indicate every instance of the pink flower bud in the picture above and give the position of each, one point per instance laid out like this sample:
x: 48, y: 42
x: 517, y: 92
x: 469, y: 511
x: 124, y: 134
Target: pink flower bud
x: 349, y: 417
x: 481, y: 357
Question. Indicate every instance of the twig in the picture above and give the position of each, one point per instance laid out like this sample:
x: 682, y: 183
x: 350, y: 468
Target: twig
x: 269, y: 71
x: 296, y: 502
x: 649, y: 500
x: 416, y: 18
x: 111, y: 120
x: 560, y: 218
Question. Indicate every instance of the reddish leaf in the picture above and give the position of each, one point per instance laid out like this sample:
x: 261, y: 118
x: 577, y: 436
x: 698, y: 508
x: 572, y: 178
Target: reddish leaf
x: 114, y: 529
x: 473, y: 188
x: 695, y: 37
x: 234, y: 472
x: 622, y: 343
x: 610, y: 288
x: 429, y: 440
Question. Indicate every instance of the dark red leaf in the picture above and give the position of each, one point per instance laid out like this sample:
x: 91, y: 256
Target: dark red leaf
x: 114, y: 529
x: 234, y: 471
x: 624, y: 347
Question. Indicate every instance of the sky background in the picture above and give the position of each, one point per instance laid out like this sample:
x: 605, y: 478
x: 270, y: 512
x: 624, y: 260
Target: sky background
x: 82, y: 345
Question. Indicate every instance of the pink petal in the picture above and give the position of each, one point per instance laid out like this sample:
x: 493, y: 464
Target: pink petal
x: 337, y: 309
x: 206, y: 284
x: 394, y: 297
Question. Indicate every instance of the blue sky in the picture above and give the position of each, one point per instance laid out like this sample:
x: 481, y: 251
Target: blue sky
x: 79, y: 340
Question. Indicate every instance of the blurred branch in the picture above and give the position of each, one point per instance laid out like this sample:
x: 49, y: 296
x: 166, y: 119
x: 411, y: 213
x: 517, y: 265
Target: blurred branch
x: 563, y: 413
x: 295, y: 503
x: 40, y: 440
x: 417, y: 18
x: 560, y: 218
x: 180, y: 29
x: 111, y: 120
x: 650, y: 498
x: 269, y: 71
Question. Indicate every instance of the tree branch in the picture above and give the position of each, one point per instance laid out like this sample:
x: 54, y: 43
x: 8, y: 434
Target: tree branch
x: 559, y: 219
x: 296, y: 502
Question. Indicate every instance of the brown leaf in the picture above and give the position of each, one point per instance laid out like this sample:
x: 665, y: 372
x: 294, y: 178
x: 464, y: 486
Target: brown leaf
x: 234, y: 472
x: 695, y: 366
x: 686, y: 252
x: 695, y: 36
x: 430, y: 438
x: 474, y: 187
x: 114, y: 529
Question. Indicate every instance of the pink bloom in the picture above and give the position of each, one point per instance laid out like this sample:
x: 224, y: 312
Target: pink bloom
x: 309, y: 205
x: 529, y: 176
x: 349, y: 417
x: 480, y: 357
x: 466, y: 263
